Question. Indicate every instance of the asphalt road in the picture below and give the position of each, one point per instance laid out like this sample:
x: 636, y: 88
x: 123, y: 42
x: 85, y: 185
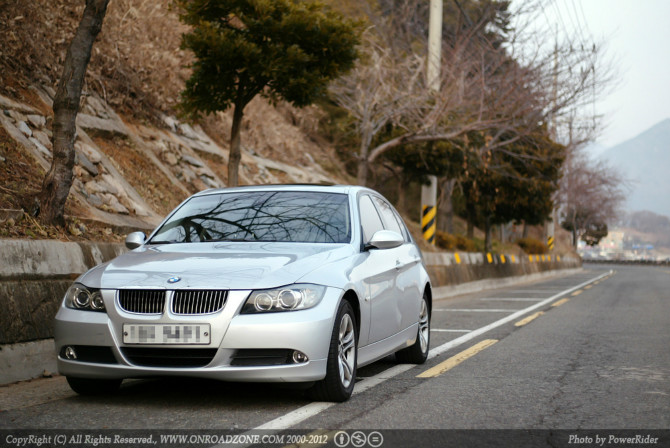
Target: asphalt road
x: 592, y: 353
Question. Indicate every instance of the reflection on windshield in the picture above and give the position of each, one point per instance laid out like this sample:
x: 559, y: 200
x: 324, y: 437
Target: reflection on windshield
x: 289, y: 216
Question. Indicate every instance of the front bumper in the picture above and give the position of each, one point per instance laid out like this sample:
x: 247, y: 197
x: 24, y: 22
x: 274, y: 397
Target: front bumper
x: 308, y: 331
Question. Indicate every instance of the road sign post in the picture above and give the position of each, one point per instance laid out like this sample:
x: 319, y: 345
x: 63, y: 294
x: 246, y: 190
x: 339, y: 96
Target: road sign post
x: 429, y: 209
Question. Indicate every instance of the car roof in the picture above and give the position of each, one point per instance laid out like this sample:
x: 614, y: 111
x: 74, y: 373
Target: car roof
x: 345, y: 189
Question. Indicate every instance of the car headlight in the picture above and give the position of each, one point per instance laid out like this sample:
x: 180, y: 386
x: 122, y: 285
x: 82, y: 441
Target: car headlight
x: 288, y: 298
x: 79, y: 297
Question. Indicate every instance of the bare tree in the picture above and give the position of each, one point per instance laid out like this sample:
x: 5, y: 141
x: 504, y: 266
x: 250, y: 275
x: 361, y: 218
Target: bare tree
x: 504, y: 90
x: 57, y: 183
x: 371, y: 94
x: 591, y: 193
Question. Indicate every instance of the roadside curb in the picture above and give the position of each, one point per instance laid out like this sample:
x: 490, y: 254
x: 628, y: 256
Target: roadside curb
x: 445, y: 292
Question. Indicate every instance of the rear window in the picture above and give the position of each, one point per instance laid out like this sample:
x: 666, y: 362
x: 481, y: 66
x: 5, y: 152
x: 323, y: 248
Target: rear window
x: 284, y: 216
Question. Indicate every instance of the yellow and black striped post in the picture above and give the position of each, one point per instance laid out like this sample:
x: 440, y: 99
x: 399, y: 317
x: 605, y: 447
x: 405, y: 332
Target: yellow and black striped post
x: 550, y: 242
x: 428, y: 223
x: 429, y: 209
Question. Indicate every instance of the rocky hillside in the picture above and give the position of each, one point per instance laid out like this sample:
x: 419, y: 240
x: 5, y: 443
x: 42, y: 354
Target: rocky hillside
x: 135, y: 160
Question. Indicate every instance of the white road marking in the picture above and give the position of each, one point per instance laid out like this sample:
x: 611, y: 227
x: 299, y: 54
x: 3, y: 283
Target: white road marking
x: 535, y: 290
x: 513, y: 299
x: 473, y: 310
x: 449, y: 330
x: 303, y: 413
x: 312, y: 409
x: 295, y: 417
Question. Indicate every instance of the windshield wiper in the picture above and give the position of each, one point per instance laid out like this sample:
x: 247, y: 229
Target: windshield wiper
x: 162, y: 242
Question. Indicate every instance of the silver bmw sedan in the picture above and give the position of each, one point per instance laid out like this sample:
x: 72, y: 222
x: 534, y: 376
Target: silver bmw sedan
x: 288, y: 283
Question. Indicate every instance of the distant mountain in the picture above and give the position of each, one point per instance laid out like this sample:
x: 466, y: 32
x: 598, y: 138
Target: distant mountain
x: 595, y: 149
x: 645, y: 160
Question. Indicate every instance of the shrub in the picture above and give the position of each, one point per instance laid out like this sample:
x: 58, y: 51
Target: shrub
x: 448, y: 241
x: 532, y: 246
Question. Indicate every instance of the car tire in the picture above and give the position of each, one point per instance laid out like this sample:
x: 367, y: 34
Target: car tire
x: 93, y: 386
x: 418, y: 352
x: 338, y: 384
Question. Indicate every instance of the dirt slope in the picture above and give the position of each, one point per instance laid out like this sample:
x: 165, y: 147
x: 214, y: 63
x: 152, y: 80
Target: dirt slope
x: 135, y: 159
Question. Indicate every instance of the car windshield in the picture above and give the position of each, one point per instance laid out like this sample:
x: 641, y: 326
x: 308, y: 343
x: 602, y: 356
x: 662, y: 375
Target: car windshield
x: 282, y: 216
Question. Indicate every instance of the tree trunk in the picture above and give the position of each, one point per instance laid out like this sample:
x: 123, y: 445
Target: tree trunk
x: 447, y: 204
x: 471, y: 220
x: 487, y: 232
x: 57, y: 182
x: 362, y: 175
x: 235, y: 154
x: 400, y: 204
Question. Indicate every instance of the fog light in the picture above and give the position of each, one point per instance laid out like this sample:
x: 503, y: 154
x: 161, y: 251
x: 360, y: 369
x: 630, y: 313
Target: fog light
x: 299, y: 357
x: 70, y: 353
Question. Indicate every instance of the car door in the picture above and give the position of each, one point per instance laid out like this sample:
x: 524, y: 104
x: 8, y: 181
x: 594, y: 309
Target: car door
x: 407, y: 264
x: 377, y: 272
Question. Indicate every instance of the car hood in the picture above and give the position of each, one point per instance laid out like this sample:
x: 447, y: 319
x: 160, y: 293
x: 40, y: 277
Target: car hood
x: 215, y: 265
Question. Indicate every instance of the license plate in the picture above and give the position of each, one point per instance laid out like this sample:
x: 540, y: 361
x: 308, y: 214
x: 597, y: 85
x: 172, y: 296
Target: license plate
x: 166, y: 334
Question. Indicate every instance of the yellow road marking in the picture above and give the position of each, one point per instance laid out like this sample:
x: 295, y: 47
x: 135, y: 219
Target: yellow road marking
x: 561, y: 302
x: 576, y: 293
x: 588, y: 286
x: 456, y: 359
x: 528, y: 319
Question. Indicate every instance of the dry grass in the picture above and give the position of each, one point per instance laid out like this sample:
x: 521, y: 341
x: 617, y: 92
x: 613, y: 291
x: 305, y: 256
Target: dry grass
x: 21, y: 182
x: 155, y: 189
x: 136, y: 63
x: 22, y: 177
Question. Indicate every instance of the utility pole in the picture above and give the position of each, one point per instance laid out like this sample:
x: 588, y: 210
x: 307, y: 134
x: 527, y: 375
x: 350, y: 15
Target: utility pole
x: 551, y: 224
x: 429, y: 192
x: 434, y: 45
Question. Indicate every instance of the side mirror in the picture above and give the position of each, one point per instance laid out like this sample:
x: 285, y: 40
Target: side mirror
x: 135, y: 240
x: 385, y: 239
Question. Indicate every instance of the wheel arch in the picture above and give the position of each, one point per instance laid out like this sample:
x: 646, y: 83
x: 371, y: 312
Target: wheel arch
x: 351, y: 297
x: 428, y: 292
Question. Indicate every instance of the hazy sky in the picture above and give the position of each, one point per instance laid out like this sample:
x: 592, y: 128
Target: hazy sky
x: 637, y: 35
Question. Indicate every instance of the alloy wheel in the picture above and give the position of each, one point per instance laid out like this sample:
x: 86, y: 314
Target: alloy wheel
x: 346, y: 350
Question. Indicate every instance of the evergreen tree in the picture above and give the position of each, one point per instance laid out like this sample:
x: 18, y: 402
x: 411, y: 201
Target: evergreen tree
x: 280, y: 49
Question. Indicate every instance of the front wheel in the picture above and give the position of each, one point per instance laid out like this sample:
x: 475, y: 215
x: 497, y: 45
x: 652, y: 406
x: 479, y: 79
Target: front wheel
x: 418, y: 353
x: 338, y: 384
x: 93, y: 386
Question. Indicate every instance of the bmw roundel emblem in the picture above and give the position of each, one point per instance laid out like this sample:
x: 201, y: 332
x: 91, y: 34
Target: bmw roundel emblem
x: 174, y: 279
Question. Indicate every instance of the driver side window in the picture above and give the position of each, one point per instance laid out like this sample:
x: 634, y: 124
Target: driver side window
x: 370, y: 220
